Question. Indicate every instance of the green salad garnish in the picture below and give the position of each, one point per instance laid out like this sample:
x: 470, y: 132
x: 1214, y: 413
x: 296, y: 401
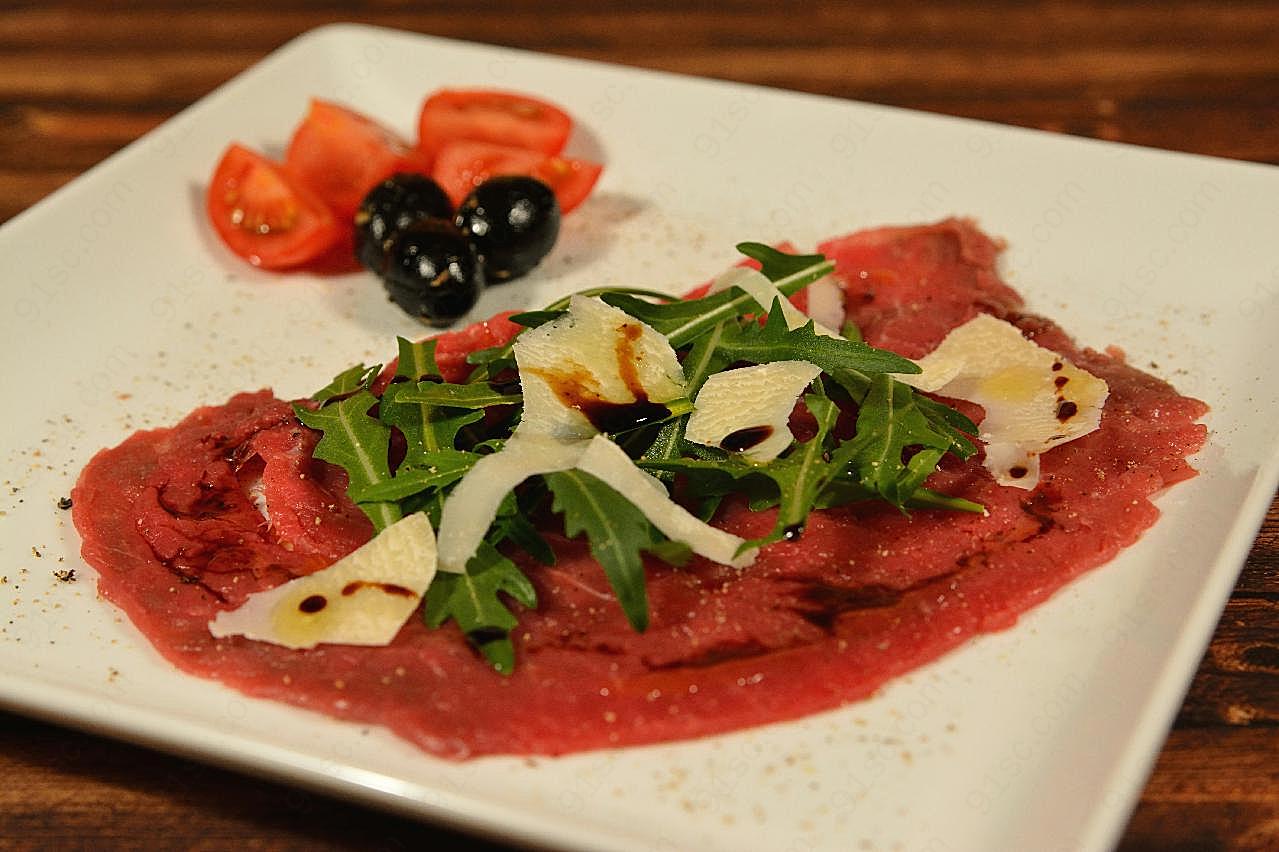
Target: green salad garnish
x: 888, y: 441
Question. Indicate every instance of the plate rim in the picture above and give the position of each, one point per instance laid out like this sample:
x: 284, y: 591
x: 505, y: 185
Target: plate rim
x: 1155, y: 718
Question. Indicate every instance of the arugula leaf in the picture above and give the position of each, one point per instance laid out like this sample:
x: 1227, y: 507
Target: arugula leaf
x: 416, y: 360
x: 705, y: 358
x: 424, y: 432
x: 684, y: 321
x: 888, y: 422
x: 796, y: 480
x: 471, y: 599
x: 900, y: 437
x: 708, y: 480
x: 671, y: 552
x: 562, y: 303
x: 790, y: 272
x: 717, y: 474
x: 822, y: 471
x: 802, y: 474
x: 413, y: 407
x: 347, y: 382
x: 493, y: 362
x: 516, y: 528
x: 433, y: 470
x: 778, y: 265
x: 616, y: 532
x: 470, y: 395
x: 358, y: 443
x: 666, y: 443
x: 943, y: 416
x: 426, y: 429
x: 512, y: 521
x: 532, y: 319
x: 773, y: 341
x: 492, y: 355
x: 843, y: 490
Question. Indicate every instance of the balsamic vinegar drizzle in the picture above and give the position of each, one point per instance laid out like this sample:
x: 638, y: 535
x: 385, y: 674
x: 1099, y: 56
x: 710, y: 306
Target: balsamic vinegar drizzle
x: 744, y: 439
x: 576, y: 389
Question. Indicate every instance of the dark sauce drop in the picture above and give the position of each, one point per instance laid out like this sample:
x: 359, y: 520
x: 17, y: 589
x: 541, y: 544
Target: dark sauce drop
x: 744, y: 439
x: 1057, y: 365
x: 1066, y: 410
x: 575, y: 389
x: 1061, y: 381
x: 313, y: 604
x: 1017, y: 472
x: 390, y: 588
x: 614, y: 417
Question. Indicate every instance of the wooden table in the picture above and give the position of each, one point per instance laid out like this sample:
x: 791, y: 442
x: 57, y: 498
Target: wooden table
x: 77, y: 82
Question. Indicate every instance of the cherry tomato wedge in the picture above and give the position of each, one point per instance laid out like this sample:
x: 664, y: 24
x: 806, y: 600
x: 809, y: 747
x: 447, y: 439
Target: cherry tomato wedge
x: 341, y: 155
x: 571, y: 180
x: 462, y: 166
x: 490, y: 115
x: 264, y: 215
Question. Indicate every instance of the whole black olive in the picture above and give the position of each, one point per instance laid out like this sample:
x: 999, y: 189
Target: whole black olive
x: 433, y: 272
x: 513, y: 222
x: 389, y: 207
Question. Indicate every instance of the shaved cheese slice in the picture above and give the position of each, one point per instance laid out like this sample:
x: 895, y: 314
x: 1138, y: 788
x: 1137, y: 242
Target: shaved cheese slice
x: 610, y: 463
x: 1034, y: 399
x: 826, y: 303
x: 593, y: 358
x: 765, y: 293
x: 471, y: 507
x: 362, y: 599
x: 473, y: 504
x: 747, y: 410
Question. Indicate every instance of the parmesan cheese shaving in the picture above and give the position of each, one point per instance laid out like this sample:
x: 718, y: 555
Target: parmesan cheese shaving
x: 765, y: 293
x: 1034, y: 399
x: 826, y: 302
x: 595, y: 353
x: 609, y: 462
x: 471, y: 507
x: 751, y: 404
x: 362, y: 599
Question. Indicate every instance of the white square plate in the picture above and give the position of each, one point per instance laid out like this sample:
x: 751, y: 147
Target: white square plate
x: 123, y: 312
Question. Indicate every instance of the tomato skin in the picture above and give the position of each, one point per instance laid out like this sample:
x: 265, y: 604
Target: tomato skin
x: 462, y: 166
x: 492, y: 115
x: 341, y: 155
x: 570, y: 179
x: 266, y: 216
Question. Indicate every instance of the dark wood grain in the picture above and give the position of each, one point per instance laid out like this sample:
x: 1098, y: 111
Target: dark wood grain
x: 78, y: 80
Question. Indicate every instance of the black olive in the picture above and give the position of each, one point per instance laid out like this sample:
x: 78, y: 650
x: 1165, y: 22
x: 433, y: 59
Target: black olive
x: 513, y: 222
x: 433, y: 272
x: 389, y: 207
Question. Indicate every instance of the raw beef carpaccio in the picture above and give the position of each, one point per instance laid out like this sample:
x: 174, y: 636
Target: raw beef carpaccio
x: 171, y: 521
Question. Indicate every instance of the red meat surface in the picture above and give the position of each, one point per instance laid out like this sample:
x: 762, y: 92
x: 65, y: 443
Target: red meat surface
x: 865, y: 594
